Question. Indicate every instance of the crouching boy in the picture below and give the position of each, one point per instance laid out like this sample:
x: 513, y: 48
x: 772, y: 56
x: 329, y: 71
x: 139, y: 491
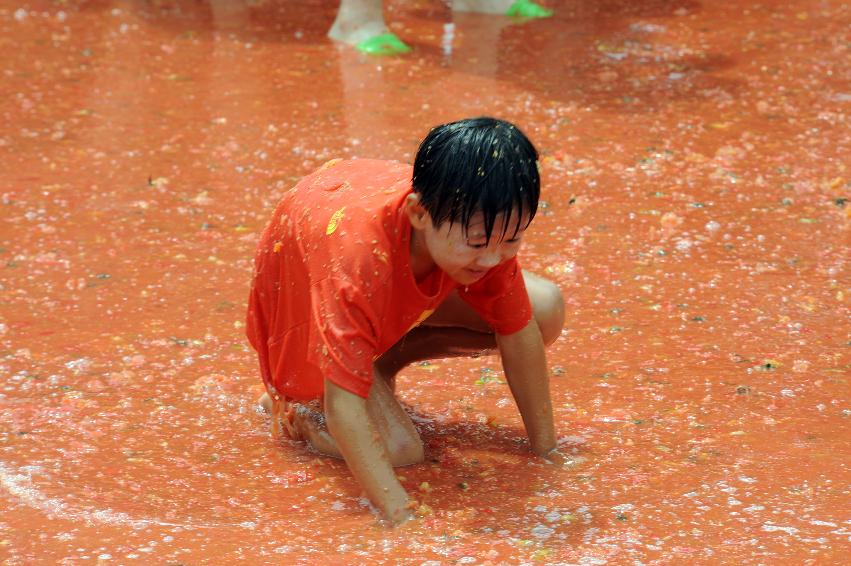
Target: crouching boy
x: 369, y: 265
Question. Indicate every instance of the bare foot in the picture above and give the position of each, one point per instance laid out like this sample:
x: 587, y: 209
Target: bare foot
x: 308, y: 424
x: 266, y: 402
x: 311, y: 426
x: 357, y: 21
x: 514, y: 8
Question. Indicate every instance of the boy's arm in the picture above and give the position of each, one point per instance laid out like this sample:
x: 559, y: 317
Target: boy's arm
x: 525, y: 367
x: 360, y: 443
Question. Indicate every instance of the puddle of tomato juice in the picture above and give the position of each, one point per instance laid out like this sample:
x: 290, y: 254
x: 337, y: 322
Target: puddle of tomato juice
x: 693, y: 214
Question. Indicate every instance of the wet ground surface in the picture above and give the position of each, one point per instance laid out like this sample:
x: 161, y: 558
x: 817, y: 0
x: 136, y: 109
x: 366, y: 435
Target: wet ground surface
x: 695, y: 167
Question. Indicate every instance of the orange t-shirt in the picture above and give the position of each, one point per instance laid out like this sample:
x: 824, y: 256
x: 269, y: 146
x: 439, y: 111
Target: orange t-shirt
x: 333, y: 288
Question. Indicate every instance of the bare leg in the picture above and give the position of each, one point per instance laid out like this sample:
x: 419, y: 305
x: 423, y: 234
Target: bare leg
x: 400, y: 437
x: 428, y: 342
x: 455, y: 329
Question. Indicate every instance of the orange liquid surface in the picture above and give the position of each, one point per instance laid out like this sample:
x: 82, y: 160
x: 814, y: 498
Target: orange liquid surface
x: 694, y: 157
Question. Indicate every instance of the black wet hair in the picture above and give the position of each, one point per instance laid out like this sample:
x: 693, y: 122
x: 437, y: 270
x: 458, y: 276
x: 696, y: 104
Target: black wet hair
x: 476, y: 165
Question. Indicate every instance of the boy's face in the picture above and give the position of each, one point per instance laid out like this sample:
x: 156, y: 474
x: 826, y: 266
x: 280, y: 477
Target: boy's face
x: 466, y: 256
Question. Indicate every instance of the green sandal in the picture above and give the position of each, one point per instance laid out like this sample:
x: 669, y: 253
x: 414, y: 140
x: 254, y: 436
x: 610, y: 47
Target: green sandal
x: 527, y: 9
x: 383, y: 44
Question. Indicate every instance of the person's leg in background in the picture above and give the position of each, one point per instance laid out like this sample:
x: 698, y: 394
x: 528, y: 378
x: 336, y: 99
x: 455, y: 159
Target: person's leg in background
x: 361, y: 23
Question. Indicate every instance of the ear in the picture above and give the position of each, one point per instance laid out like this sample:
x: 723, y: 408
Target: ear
x: 417, y: 214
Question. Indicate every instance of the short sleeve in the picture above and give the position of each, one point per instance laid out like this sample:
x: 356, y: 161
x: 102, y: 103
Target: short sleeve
x: 500, y: 298
x: 347, y: 329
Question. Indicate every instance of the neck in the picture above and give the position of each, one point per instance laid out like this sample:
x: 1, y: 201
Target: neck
x: 421, y: 262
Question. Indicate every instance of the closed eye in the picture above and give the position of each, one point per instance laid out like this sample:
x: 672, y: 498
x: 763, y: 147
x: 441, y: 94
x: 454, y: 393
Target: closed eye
x: 482, y: 245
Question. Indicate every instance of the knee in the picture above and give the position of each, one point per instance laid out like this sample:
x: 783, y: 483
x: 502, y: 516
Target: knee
x: 406, y: 452
x: 548, y: 308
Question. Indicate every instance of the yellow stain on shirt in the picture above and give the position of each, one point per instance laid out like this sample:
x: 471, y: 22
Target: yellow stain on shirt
x: 423, y: 316
x: 334, y: 222
x: 330, y: 163
x: 380, y: 254
x: 277, y: 247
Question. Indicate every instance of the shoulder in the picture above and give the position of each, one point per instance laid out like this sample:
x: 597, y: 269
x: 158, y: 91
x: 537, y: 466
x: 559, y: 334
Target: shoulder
x: 359, y: 174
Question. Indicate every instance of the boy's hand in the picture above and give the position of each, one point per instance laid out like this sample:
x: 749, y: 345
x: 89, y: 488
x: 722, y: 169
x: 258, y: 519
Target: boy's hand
x: 401, y: 515
x: 560, y: 459
x: 415, y: 510
x: 556, y: 457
